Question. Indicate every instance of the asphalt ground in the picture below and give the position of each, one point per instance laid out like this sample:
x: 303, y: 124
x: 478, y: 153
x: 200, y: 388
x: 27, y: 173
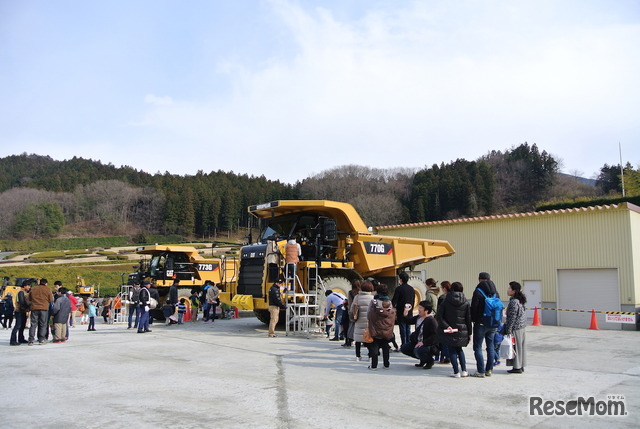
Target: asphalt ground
x: 229, y: 374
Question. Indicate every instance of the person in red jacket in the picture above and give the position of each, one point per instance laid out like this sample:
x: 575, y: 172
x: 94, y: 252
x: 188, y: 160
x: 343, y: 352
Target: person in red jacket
x: 74, y: 306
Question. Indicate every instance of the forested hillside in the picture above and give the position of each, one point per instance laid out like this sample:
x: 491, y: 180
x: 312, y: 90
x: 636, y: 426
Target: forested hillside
x: 41, y: 197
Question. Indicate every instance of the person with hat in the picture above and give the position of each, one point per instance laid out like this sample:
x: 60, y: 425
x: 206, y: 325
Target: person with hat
x: 17, y: 333
x: 92, y: 311
x: 145, y: 302
x: 481, y: 332
x: 61, y: 311
x: 74, y: 306
x: 275, y: 304
x: 40, y: 298
x: 133, y: 307
x: 8, y: 311
x: 211, y: 302
x: 432, y: 293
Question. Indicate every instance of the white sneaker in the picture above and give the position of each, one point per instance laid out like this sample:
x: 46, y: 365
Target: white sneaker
x: 358, y: 359
x: 455, y: 375
x: 464, y: 374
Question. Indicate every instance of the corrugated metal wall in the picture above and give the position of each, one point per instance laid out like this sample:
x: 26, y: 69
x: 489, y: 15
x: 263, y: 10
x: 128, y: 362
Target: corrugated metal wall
x: 634, y: 220
x: 534, y: 247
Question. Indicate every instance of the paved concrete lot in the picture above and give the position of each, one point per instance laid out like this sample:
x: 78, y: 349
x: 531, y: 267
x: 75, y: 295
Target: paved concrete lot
x: 229, y: 374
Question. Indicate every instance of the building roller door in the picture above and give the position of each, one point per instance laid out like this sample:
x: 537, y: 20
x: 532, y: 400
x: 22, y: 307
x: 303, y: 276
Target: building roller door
x: 585, y: 290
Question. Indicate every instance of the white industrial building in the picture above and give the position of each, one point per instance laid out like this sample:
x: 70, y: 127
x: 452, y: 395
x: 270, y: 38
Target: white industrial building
x: 578, y: 259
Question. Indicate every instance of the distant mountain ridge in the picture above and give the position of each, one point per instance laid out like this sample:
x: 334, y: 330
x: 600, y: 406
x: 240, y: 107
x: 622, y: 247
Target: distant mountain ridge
x: 590, y: 182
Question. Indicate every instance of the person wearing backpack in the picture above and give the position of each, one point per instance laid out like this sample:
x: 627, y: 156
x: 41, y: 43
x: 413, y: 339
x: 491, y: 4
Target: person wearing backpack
x: 486, y: 314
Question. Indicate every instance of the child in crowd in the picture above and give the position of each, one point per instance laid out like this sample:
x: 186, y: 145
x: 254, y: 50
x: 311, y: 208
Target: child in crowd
x: 497, y: 340
x: 182, y: 309
x: 167, y: 311
x: 92, y: 312
x: 195, y: 303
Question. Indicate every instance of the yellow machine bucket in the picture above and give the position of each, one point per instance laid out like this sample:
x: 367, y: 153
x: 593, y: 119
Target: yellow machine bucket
x: 243, y: 302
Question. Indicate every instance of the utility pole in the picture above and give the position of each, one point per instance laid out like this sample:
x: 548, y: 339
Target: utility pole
x: 621, y: 168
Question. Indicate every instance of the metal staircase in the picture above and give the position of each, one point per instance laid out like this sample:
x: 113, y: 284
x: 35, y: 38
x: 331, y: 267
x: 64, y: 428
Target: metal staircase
x: 304, y: 315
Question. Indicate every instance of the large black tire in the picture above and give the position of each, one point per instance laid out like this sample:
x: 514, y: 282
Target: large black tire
x: 336, y: 284
x: 264, y: 316
x: 420, y: 288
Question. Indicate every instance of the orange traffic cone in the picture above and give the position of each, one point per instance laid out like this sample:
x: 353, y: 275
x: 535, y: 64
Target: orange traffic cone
x: 187, y: 315
x: 236, y: 313
x: 536, y: 317
x: 594, y: 321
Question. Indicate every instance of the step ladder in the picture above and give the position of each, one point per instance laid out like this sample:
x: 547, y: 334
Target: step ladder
x: 229, y: 269
x: 123, y: 314
x: 303, y: 314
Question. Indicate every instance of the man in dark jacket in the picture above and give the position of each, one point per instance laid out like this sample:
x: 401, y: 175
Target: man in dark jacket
x: 61, y: 311
x: 173, y: 292
x: 480, y: 331
x: 403, y: 295
x: 424, y: 338
x: 275, y: 304
x: 17, y: 334
x: 144, y: 300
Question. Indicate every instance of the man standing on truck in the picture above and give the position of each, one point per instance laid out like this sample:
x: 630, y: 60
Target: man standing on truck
x: 403, y: 295
x: 293, y: 251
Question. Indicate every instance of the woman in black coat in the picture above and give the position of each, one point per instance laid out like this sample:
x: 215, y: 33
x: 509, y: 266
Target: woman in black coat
x: 454, y: 327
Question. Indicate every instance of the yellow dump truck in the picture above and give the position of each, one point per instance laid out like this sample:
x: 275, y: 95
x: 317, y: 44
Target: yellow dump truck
x: 170, y: 262
x: 336, y: 246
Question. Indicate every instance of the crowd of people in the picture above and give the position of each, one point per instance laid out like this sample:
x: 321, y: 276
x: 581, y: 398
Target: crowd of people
x: 50, y: 313
x: 145, y: 297
x: 445, y: 323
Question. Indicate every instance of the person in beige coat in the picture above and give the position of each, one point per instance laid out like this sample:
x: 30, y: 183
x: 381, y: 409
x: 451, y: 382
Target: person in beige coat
x: 361, y: 301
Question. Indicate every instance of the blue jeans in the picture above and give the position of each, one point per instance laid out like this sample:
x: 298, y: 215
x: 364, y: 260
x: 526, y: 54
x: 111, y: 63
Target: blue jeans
x: 133, y: 309
x: 405, y: 332
x: 338, y: 321
x: 481, y: 332
x: 424, y: 353
x: 209, y: 311
x: 444, y: 352
x: 17, y: 333
x: 143, y: 323
x: 456, y: 353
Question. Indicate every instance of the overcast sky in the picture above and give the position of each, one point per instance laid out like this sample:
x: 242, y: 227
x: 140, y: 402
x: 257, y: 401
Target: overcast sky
x: 286, y: 88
